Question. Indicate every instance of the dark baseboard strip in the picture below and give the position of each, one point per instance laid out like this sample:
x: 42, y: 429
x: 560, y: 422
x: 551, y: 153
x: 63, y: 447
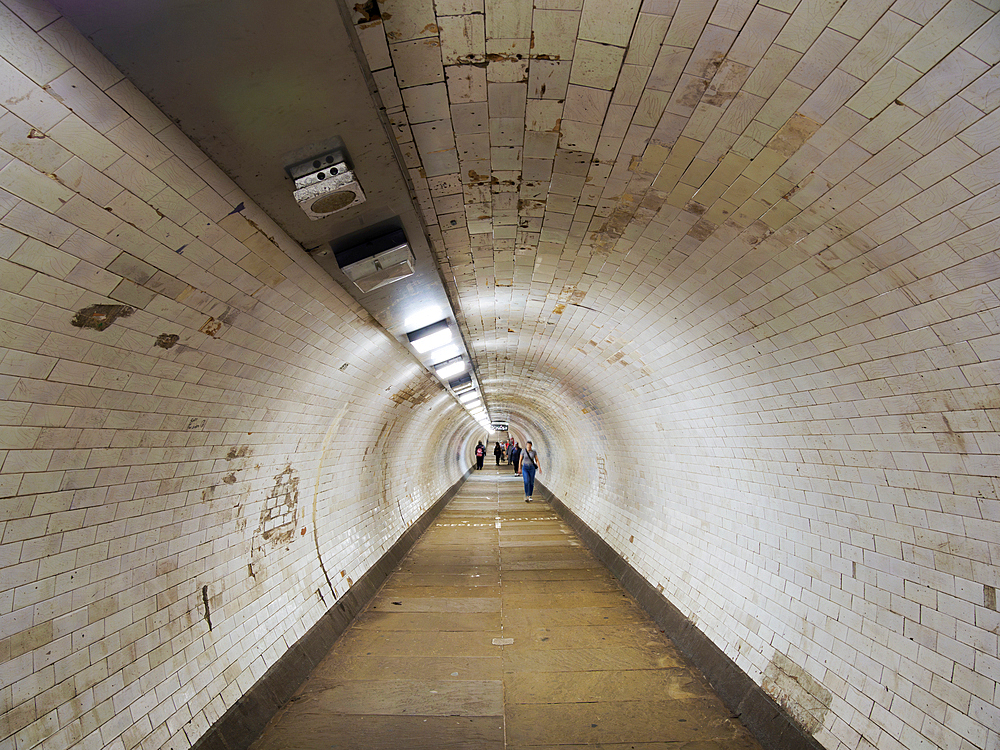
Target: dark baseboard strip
x: 769, y: 723
x: 246, y: 719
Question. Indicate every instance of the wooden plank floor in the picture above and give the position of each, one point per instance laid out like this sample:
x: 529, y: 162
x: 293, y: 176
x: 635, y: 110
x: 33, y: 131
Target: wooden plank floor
x: 500, y: 630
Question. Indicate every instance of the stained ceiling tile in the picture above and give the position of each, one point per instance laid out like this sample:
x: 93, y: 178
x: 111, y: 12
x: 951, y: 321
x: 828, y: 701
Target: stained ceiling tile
x: 466, y: 83
x: 554, y: 34
x: 463, y: 39
x: 426, y: 103
x: 540, y: 145
x: 507, y: 131
x: 508, y: 70
x: 470, y: 118
x: 473, y: 147
x: 507, y: 99
x: 408, y: 19
x: 596, y: 65
x: 417, y: 62
x: 579, y: 136
x: 548, y: 79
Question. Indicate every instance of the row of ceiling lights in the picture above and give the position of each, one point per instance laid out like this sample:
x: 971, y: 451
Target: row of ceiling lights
x: 381, y: 261
x: 438, y: 352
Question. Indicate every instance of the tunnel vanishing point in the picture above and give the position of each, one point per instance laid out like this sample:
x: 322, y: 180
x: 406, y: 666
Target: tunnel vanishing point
x: 731, y: 266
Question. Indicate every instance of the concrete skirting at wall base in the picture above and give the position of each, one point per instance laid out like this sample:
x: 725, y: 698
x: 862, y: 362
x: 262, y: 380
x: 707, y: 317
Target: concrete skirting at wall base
x: 246, y: 719
x: 769, y: 723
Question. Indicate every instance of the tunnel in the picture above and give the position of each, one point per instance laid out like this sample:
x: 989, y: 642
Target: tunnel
x: 732, y: 266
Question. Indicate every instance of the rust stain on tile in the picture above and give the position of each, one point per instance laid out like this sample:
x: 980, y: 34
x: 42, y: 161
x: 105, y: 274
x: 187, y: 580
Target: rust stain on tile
x: 211, y: 327
x: 793, y: 134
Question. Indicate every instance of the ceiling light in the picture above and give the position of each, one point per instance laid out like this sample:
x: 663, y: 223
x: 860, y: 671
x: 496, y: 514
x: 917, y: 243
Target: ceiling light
x: 468, y: 396
x: 431, y: 337
x: 445, y: 352
x: 450, y: 368
x: 460, y: 385
x: 378, y: 262
x: 422, y: 317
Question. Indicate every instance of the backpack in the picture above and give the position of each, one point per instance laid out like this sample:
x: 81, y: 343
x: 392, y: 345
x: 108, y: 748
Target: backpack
x: 480, y: 451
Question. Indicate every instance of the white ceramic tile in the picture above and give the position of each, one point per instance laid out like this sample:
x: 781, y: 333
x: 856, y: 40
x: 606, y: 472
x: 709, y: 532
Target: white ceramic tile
x: 596, y: 65
x: 609, y: 23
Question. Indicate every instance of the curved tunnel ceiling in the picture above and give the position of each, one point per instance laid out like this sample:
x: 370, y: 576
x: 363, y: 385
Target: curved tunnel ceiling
x: 605, y: 182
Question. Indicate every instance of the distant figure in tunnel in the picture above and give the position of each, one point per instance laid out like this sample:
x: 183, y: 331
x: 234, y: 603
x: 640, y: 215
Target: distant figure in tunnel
x: 480, y: 454
x: 514, y: 454
x: 498, y: 452
x: 528, y: 467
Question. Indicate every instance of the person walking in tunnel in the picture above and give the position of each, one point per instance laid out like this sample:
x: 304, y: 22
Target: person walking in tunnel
x: 528, y: 466
x: 515, y: 452
x: 498, y: 452
x: 480, y: 454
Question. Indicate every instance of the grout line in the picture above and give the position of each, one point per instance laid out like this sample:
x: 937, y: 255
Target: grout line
x: 503, y: 681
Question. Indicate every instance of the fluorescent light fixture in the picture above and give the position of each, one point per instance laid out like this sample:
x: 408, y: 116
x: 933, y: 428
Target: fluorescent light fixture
x: 450, y: 368
x: 460, y: 385
x: 423, y: 317
x: 378, y: 262
x: 385, y: 268
x: 474, y: 408
x: 448, y: 351
x: 470, y: 395
x: 430, y: 337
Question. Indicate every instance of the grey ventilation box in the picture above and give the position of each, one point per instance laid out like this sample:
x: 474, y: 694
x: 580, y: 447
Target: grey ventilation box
x: 379, y: 262
x: 325, y: 185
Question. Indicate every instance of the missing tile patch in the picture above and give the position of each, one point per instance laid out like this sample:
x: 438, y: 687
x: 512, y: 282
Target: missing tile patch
x: 208, y: 614
x: 100, y: 317
x: 795, y: 690
x: 167, y: 340
x: 990, y: 597
x: 277, y: 519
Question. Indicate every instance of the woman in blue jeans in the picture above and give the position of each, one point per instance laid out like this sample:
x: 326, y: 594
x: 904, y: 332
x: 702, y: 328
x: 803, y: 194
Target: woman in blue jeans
x: 527, y: 467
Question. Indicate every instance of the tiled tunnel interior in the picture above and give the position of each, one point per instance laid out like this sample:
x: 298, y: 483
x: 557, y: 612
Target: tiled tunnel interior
x: 732, y: 266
